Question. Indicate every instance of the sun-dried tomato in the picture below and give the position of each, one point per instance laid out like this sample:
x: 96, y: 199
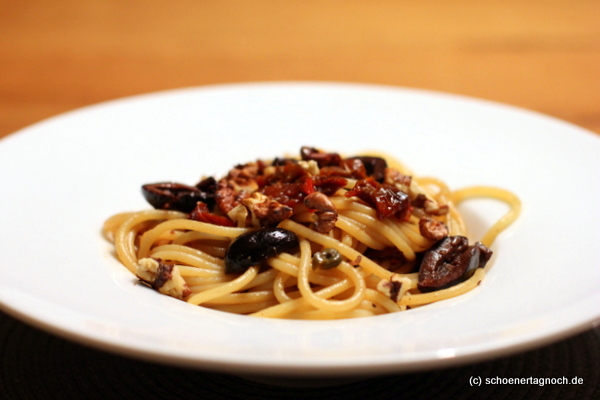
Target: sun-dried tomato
x: 289, y: 172
x: 385, y: 199
x: 329, y: 184
x: 289, y: 194
x: 356, y: 167
x: 348, y: 168
x: 323, y: 159
x: 335, y: 171
x: 227, y: 198
x: 374, y: 166
x: 308, y: 186
x: 202, y: 213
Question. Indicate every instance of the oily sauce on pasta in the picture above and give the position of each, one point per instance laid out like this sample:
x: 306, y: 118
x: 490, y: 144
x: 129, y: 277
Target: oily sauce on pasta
x: 317, y: 236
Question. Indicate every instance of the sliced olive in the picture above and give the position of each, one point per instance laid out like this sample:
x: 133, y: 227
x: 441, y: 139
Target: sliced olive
x: 326, y: 259
x: 179, y: 197
x: 470, y: 259
x: 451, y: 261
x: 280, y: 162
x: 478, y: 259
x: 207, y: 188
x: 253, y: 248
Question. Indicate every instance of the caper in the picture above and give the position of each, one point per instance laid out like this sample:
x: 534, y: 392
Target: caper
x: 326, y: 259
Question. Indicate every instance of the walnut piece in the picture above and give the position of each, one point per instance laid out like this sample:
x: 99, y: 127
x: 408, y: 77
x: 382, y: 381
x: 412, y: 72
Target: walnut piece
x: 432, y: 229
x: 395, y: 287
x: 324, y: 210
x: 266, y: 211
x: 162, y: 277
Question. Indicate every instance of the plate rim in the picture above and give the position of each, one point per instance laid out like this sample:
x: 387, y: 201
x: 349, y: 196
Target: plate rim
x: 295, y: 369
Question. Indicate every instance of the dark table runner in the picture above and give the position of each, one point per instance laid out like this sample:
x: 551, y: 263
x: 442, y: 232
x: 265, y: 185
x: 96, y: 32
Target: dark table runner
x: 35, y: 365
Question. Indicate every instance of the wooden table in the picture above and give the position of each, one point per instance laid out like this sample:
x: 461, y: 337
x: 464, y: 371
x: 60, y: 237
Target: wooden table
x: 56, y: 56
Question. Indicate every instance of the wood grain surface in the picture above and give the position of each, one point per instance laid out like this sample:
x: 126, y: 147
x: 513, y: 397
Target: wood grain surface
x: 56, y: 56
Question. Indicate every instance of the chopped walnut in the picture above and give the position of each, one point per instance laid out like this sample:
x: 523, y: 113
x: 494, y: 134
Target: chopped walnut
x: 395, y: 287
x: 397, y: 179
x: 324, y: 210
x: 239, y: 215
x: 243, y: 177
x: 418, y: 197
x: 266, y: 211
x: 428, y: 203
x: 311, y: 167
x: 226, y: 196
x: 162, y: 277
x: 432, y: 229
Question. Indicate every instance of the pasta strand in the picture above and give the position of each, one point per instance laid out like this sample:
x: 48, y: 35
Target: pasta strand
x: 374, y: 265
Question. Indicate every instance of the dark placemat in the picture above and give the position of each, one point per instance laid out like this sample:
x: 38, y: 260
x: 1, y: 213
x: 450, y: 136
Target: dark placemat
x: 35, y: 365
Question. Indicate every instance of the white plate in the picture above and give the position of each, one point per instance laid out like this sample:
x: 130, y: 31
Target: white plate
x: 62, y: 177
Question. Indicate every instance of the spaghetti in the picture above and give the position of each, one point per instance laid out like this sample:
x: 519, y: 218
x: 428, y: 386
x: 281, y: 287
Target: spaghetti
x: 314, y: 237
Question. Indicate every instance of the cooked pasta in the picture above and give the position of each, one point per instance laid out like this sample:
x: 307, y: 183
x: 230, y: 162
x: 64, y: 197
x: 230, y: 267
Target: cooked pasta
x: 320, y: 236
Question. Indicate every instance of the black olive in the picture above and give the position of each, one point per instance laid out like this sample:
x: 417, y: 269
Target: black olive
x: 172, y: 196
x: 451, y: 261
x: 374, y: 166
x: 470, y: 259
x: 280, y: 162
x: 484, y: 254
x: 253, y: 248
x: 207, y: 188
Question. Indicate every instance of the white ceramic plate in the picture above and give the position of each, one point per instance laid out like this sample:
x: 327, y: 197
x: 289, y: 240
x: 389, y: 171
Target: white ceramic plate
x: 63, y: 177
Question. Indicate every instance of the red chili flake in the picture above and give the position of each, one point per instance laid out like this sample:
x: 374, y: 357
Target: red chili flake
x: 308, y: 186
x: 385, y: 199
